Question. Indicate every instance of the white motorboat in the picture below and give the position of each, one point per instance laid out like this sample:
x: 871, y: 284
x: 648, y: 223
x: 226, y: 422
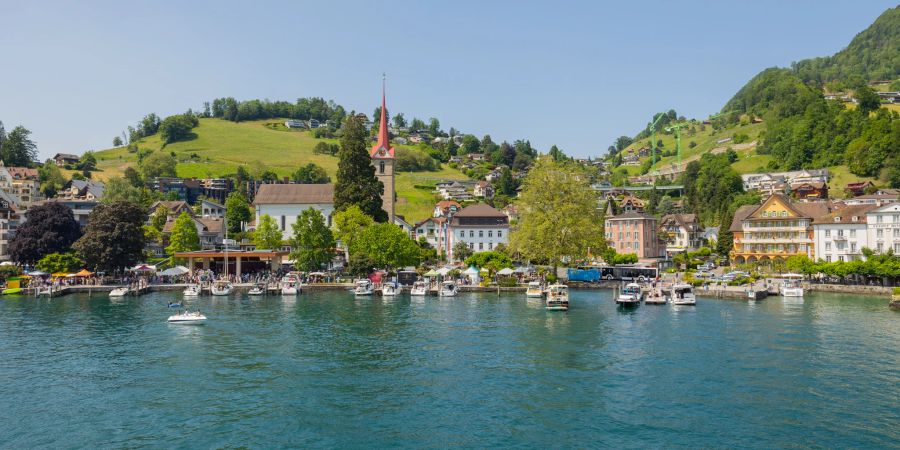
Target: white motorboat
x: 419, y: 289
x: 221, y: 287
x: 192, y: 290
x: 683, y: 294
x: 290, y: 285
x: 364, y: 286
x: 631, y: 295
x: 790, y: 285
x: 535, y: 290
x: 390, y: 289
x: 257, y: 289
x: 557, y: 297
x: 448, y: 289
x: 187, y: 318
x: 119, y: 292
x: 656, y: 297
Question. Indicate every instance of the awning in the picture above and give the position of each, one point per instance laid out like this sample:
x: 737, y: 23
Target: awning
x: 175, y: 271
x: 143, y: 268
x: 471, y: 271
x: 505, y: 271
x: 431, y: 273
x: 443, y: 271
x: 83, y: 273
x: 59, y: 274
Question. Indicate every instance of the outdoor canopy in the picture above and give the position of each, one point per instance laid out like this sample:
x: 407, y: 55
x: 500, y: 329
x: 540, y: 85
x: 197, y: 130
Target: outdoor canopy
x: 83, y: 273
x: 431, y: 273
x: 175, y: 271
x: 505, y: 271
x: 471, y: 271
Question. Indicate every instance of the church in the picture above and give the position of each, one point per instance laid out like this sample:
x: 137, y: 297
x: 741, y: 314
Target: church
x: 383, y: 159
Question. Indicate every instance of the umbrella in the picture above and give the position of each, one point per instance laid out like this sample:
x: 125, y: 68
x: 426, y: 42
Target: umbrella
x: 60, y: 274
x: 7, y: 263
x: 431, y: 273
x: 38, y: 273
x: 71, y: 275
x: 175, y: 271
x: 143, y: 268
x: 505, y: 271
x: 471, y: 271
x: 443, y: 271
x: 83, y: 273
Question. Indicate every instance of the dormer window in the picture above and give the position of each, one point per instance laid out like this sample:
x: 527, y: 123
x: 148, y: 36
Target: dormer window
x: 855, y: 218
x: 837, y: 219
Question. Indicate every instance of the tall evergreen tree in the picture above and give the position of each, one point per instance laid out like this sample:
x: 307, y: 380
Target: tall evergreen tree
x: 356, y: 182
x: 18, y: 148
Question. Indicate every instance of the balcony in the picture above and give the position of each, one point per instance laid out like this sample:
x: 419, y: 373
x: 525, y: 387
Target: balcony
x: 752, y: 229
x: 774, y: 241
x: 839, y: 237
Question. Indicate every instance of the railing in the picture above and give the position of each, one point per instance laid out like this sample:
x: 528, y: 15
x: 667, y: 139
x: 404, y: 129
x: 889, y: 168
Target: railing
x: 797, y: 228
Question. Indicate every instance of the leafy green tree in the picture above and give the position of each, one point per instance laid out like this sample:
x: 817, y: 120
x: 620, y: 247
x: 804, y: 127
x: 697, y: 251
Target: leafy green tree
x: 117, y: 141
x: 49, y: 228
x: 388, y: 245
x: 177, y: 128
x: 493, y: 261
x: 60, y: 262
x: 557, y: 154
x: 158, y: 164
x: 312, y: 244
x: 51, y: 179
x: 184, y: 236
x: 625, y: 258
x: 434, y: 126
x: 561, y: 218
x: 311, y: 173
x: 348, y: 225
x: 237, y: 211
x: 868, y: 100
x: 119, y: 190
x: 267, y: 234
x: 114, y: 237
x: 87, y: 162
x: 399, y: 120
x: 159, y: 217
x: 356, y: 182
x: 461, y: 251
x: 470, y: 144
x: 360, y: 265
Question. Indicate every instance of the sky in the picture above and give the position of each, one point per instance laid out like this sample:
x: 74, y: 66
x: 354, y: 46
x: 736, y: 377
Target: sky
x: 574, y: 74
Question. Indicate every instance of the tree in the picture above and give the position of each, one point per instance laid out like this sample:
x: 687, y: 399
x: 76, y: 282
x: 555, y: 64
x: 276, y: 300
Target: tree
x: 868, y: 100
x: 461, y: 251
x: 87, y: 162
x: 51, y: 179
x: 237, y: 211
x: 399, y: 120
x: 267, y: 234
x: 311, y: 173
x: 59, y: 262
x: 117, y: 141
x: 159, y: 217
x: 348, y: 224
x: 18, y: 148
x: 184, y: 237
x: 622, y: 142
x: 557, y: 154
x: 434, y: 126
x: 470, y: 144
x: 114, y: 237
x: 360, y: 265
x: 625, y: 258
x: 493, y: 261
x: 666, y: 206
x: 177, y: 128
x: 356, y: 182
x: 559, y: 215
x: 133, y: 177
x: 49, y: 228
x: 388, y: 245
x: 119, y: 190
x: 507, y: 185
x: 312, y: 242
x: 158, y: 164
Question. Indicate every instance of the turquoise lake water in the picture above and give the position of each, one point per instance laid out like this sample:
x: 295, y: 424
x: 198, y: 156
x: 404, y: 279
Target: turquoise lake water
x: 328, y: 370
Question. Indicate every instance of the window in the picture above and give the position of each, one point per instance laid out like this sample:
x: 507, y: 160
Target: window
x: 896, y: 232
x: 471, y: 246
x: 840, y: 257
x: 637, y: 245
x: 879, y: 218
x: 490, y: 233
x: 840, y: 233
x: 490, y: 245
x: 879, y: 248
x: 471, y: 233
x: 827, y: 233
x: 381, y: 166
x: 499, y: 233
x: 282, y: 223
x: 480, y: 233
x: 896, y: 247
x: 852, y: 246
x: 879, y: 232
x: 827, y: 258
x: 852, y: 233
x: 462, y: 234
x: 481, y: 246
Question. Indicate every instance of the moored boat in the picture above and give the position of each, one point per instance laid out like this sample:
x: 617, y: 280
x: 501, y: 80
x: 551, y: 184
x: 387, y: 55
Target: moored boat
x: 257, y: 289
x: 364, y: 287
x: 557, y: 297
x: 119, y: 292
x: 192, y: 290
x: 656, y: 297
x: 390, y: 289
x: 187, y: 318
x: 683, y: 294
x: 535, y: 290
x: 419, y: 289
x: 631, y: 295
x: 790, y: 285
x: 221, y: 287
x: 290, y: 284
x: 448, y: 289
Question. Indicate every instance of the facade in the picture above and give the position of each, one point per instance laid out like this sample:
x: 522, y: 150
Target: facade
x: 175, y: 207
x: 211, y: 209
x: 446, y: 208
x: 284, y: 202
x: 634, y: 232
x: 61, y: 159
x: 872, y: 199
x: 401, y: 222
x: 81, y: 208
x: 210, y: 229
x: 883, y: 228
x: 841, y: 235
x: 434, y: 230
x: 775, y: 230
x: 484, y: 189
x: 383, y: 159
x: 778, y: 182
x: 682, y: 232
x: 810, y: 190
x: 9, y: 222
x: 82, y: 190
x: 479, y: 226
x: 22, y: 183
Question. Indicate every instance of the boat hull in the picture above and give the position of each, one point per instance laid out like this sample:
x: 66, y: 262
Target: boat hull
x: 532, y: 294
x: 792, y: 292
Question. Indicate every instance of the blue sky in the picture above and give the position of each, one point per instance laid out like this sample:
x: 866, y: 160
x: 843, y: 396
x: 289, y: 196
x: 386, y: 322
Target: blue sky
x: 575, y: 74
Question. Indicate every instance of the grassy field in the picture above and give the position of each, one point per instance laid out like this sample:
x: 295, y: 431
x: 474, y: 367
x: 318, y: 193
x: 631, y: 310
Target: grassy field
x: 221, y: 146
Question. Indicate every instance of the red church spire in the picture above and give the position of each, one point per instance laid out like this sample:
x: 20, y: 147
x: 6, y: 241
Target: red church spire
x: 384, y: 139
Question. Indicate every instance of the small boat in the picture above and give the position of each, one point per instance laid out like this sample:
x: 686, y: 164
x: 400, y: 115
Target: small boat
x: 192, y: 291
x: 176, y: 304
x: 656, y: 297
x: 187, y: 318
x: 390, y: 289
x: 364, y: 287
x: 12, y: 291
x: 119, y: 292
x: 631, y: 295
x: 683, y: 294
x: 290, y: 285
x: 448, y: 289
x: 222, y: 287
x: 557, y: 297
x: 419, y: 289
x: 535, y: 290
x: 790, y: 285
x: 257, y: 289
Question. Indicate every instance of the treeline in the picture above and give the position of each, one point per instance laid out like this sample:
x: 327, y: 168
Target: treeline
x: 304, y: 109
x: 16, y: 147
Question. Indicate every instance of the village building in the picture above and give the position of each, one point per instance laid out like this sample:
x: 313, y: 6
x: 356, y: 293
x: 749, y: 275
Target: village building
x: 61, y: 159
x: 210, y: 229
x: 434, y: 230
x: 775, y: 230
x: 810, y: 190
x: 841, y: 234
x: 285, y: 202
x: 682, y: 232
x: 883, y: 228
x: 479, y: 226
x: 9, y: 221
x: 82, y: 190
x: 483, y: 189
x: 634, y: 232
x: 858, y: 188
x: 21, y: 182
x: 446, y: 208
x: 174, y: 207
x: 407, y: 228
x: 383, y: 159
x: 209, y: 208
x: 780, y: 182
x: 872, y: 199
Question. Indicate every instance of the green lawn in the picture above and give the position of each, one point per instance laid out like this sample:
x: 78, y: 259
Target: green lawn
x: 751, y: 162
x: 840, y: 176
x: 221, y: 146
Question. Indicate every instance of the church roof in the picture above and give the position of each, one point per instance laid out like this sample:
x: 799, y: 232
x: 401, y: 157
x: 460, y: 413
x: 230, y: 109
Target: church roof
x: 384, y: 139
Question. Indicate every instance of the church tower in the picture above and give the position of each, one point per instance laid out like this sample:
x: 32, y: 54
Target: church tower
x: 383, y: 159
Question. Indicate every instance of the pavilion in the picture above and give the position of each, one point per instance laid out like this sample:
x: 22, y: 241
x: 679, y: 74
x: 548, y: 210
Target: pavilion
x: 253, y: 260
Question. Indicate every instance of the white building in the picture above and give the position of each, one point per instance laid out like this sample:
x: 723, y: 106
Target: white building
x: 211, y: 209
x: 284, y: 202
x: 883, y: 228
x: 480, y: 226
x: 434, y: 230
x: 841, y: 235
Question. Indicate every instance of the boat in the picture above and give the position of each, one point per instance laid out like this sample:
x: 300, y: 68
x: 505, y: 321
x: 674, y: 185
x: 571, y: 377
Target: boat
x: 12, y: 291
x: 448, y: 289
x: 222, y: 287
x: 119, y: 292
x: 176, y: 304
x: 656, y: 297
x: 790, y: 285
x: 390, y: 289
x: 683, y: 294
x: 187, y: 318
x: 290, y: 285
x: 364, y: 286
x: 557, y: 297
x: 192, y: 290
x: 257, y: 289
x: 631, y: 295
x: 535, y: 290
x: 419, y: 289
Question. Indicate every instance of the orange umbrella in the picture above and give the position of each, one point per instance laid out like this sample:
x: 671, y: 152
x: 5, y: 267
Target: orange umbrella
x: 84, y: 273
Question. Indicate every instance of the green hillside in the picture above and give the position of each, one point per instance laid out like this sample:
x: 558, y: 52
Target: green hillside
x: 221, y: 146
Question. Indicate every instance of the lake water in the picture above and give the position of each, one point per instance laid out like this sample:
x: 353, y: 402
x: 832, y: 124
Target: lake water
x: 328, y: 370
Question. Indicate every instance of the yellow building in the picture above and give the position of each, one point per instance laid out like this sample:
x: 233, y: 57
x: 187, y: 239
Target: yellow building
x: 775, y: 230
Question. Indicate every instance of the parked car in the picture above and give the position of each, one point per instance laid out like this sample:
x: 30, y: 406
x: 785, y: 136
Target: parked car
x: 706, y: 266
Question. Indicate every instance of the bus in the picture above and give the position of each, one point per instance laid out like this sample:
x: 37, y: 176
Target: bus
x: 619, y: 273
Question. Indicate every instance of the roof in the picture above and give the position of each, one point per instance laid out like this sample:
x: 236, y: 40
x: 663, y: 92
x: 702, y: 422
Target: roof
x: 875, y: 197
x: 288, y: 194
x: 23, y: 173
x: 212, y: 224
x: 96, y: 188
x: 845, y: 214
x: 445, y: 204
x: 813, y: 184
x: 384, y: 138
x: 479, y: 210
x: 174, y: 206
x: 742, y: 213
x: 66, y: 156
x: 631, y: 215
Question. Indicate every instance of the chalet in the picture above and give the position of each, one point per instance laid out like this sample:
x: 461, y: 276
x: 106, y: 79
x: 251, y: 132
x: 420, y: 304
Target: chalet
x: 483, y: 189
x: 61, y: 159
x: 455, y: 159
x: 476, y: 156
x: 22, y: 183
x: 643, y: 152
x: 681, y: 232
x: 889, y: 97
x: 295, y: 124
x: 446, y: 208
x: 512, y: 212
x: 175, y: 207
x: 210, y: 208
x: 872, y: 199
x: 631, y: 203
x: 858, y: 188
x: 82, y: 190
x: 810, y: 190
x: 210, y: 229
x: 434, y: 230
x: 493, y: 175
x: 401, y: 222
x: 285, y: 202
